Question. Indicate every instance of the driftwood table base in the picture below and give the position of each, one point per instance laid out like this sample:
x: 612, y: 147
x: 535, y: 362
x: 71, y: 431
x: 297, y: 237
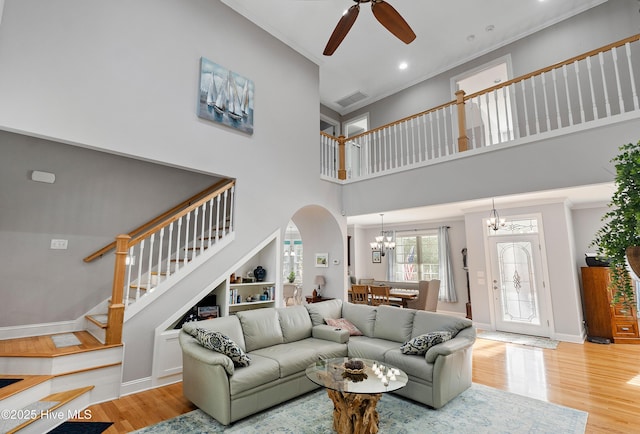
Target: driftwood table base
x: 354, y: 413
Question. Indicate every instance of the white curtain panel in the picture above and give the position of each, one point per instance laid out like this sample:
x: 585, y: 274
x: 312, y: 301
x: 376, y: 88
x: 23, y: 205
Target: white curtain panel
x: 447, y: 287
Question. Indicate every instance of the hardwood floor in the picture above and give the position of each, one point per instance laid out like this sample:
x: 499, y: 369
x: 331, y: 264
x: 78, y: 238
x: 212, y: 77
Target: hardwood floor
x: 603, y: 380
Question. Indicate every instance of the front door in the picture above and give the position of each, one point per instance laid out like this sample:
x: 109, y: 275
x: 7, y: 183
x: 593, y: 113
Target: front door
x: 518, y: 286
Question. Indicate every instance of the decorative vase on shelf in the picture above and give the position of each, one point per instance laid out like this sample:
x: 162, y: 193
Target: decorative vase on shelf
x: 259, y: 273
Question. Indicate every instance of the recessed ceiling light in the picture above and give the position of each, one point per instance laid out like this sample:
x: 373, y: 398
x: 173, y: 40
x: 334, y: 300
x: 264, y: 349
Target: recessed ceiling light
x: 403, y: 65
x: 471, y: 38
x: 490, y: 28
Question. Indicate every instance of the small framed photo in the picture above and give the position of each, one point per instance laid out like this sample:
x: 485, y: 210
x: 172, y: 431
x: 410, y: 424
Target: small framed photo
x: 322, y: 260
x: 207, y: 312
x: 376, y: 256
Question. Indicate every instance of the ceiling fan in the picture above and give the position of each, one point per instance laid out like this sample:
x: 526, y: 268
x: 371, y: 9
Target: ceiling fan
x: 384, y: 13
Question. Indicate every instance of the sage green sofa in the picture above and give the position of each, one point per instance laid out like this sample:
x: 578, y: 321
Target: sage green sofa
x: 283, y: 342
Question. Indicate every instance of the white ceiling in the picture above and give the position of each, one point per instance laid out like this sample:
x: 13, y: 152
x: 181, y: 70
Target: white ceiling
x: 368, y: 58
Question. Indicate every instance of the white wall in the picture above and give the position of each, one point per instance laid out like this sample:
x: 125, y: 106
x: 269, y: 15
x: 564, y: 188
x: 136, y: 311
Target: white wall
x: 123, y: 77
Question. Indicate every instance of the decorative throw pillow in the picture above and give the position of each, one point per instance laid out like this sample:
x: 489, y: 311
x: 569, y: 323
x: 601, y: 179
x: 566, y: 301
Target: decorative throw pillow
x: 220, y: 343
x: 342, y: 323
x: 420, y: 344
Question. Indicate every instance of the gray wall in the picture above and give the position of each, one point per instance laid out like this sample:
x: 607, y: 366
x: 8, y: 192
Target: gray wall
x: 596, y: 27
x: 112, y: 76
x: 95, y: 196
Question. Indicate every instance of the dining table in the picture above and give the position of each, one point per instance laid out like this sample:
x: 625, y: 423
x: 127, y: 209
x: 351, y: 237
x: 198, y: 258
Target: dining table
x: 398, y: 295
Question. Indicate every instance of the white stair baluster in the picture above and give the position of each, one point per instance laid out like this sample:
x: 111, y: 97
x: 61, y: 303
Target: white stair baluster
x: 224, y: 214
x: 546, y: 101
x: 566, y: 87
x: 432, y: 144
x: 525, y: 107
x: 607, y: 104
x: 445, y: 128
x: 555, y: 94
x: 140, y: 261
x: 150, y: 266
x: 614, y: 53
x: 454, y: 128
x: 169, y: 244
x: 127, y: 287
x: 439, y: 139
x: 593, y: 94
x: 210, y: 221
x: 535, y: 105
x: 178, y: 241
x: 160, y: 261
x: 231, y: 206
x: 217, y: 218
x: 632, y: 77
x: 194, y: 242
x: 576, y: 67
x: 203, y: 226
x: 488, y: 112
x: 494, y: 96
x: 185, y: 251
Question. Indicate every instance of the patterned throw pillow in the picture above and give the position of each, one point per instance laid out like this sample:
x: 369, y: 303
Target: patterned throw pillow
x: 342, y: 323
x: 420, y: 344
x: 216, y: 341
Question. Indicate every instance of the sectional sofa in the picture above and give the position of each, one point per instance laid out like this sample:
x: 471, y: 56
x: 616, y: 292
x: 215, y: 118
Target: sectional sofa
x: 282, y: 342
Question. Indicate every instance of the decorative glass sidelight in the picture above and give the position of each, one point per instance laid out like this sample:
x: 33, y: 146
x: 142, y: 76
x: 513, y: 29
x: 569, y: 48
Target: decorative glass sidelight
x: 518, y: 286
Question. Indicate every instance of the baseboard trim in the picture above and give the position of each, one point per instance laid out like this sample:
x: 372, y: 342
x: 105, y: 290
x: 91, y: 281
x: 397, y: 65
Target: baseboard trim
x: 148, y: 383
x: 25, y: 331
x: 458, y: 314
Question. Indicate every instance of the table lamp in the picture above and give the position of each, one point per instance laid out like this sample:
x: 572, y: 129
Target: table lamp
x: 319, y: 280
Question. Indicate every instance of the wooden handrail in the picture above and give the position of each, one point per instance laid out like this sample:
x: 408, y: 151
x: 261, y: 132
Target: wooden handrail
x: 556, y: 65
x: 161, y: 217
x: 185, y: 211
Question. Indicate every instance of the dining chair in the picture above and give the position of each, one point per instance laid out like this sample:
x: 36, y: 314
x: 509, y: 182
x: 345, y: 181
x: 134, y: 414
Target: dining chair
x: 289, y: 294
x: 379, y: 295
x: 360, y: 294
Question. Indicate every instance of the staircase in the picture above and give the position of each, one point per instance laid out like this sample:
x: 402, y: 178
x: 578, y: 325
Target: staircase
x: 61, y: 375
x: 55, y: 383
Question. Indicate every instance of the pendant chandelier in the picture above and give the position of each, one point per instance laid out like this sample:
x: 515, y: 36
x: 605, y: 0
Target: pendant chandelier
x: 383, y: 241
x: 494, y: 221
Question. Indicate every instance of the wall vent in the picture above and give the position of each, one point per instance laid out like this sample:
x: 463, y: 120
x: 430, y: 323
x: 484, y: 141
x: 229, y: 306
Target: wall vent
x: 351, y: 99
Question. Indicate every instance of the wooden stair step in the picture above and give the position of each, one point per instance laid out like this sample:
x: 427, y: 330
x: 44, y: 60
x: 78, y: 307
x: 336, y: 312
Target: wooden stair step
x: 42, y: 346
x: 26, y: 381
x: 100, y: 319
x: 58, y: 399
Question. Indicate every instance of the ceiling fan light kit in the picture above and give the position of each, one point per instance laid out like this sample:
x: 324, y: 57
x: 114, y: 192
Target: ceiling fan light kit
x: 384, y: 13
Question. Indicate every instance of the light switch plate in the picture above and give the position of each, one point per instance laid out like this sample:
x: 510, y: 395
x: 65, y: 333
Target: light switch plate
x: 59, y: 244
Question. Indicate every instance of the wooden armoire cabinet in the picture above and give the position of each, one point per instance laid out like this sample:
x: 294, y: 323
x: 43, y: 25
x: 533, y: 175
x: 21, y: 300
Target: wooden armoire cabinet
x: 615, y: 322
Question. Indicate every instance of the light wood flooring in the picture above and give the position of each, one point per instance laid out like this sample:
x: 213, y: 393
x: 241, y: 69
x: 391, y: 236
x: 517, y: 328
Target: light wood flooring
x: 603, y: 380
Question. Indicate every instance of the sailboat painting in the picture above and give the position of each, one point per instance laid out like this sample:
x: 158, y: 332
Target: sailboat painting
x: 225, y: 97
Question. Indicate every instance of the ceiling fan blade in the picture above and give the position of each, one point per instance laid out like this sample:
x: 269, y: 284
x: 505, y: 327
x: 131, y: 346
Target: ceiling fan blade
x: 393, y: 21
x: 341, y: 30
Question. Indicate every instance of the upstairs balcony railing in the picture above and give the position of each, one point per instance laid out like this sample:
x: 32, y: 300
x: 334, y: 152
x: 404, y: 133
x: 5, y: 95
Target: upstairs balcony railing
x: 589, y: 90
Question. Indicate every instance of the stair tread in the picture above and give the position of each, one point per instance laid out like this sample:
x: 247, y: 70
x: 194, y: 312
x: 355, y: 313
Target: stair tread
x: 57, y: 400
x: 42, y: 346
x: 27, y: 382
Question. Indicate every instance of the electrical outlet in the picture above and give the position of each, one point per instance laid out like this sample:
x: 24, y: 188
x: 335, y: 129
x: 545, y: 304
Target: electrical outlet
x: 59, y: 244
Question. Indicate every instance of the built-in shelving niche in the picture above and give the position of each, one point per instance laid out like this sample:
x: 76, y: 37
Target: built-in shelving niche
x: 167, y: 359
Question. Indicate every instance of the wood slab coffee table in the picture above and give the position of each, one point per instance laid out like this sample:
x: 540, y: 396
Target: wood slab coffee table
x: 355, y: 390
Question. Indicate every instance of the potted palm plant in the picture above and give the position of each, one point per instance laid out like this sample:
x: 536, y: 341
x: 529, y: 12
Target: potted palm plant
x: 619, y: 239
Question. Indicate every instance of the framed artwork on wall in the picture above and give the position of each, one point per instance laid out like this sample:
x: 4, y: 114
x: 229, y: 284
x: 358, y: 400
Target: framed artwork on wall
x: 322, y: 260
x: 225, y: 97
x: 376, y: 256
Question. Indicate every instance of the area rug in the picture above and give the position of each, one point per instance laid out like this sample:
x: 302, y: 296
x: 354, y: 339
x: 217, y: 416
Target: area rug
x: 65, y: 340
x: 480, y: 409
x: 4, y: 382
x: 81, y: 428
x: 514, y: 338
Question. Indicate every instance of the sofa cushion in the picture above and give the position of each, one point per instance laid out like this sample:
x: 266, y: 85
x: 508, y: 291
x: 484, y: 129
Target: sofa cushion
x: 425, y: 322
x: 393, y: 323
x: 369, y: 348
x: 295, y: 323
x: 420, y: 344
x: 262, y: 370
x: 221, y: 343
x: 413, y: 366
x: 325, y: 309
x: 228, y: 325
x: 261, y: 328
x: 344, y: 324
x: 324, y: 349
x: 292, y: 358
x: 361, y: 315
